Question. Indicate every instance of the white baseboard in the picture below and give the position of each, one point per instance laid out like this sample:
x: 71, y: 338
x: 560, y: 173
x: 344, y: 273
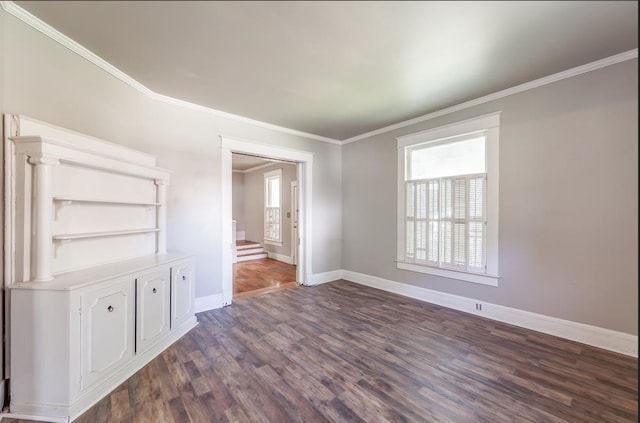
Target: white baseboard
x: 620, y: 342
x: 210, y: 302
x: 320, y: 278
x: 240, y: 235
x: 280, y: 257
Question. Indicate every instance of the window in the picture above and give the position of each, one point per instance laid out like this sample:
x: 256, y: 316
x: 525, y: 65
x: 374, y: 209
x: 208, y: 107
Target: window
x: 272, y: 207
x: 448, y: 201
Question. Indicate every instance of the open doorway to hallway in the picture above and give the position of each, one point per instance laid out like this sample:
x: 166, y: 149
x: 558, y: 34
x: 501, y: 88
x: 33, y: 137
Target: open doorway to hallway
x: 304, y: 161
x: 265, y: 219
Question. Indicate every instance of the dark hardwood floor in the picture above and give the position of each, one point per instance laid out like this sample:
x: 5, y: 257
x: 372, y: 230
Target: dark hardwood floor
x: 257, y: 277
x: 341, y: 352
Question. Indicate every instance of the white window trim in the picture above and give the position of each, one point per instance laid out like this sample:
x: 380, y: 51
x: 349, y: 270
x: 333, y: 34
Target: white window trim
x: 490, y: 126
x: 270, y: 241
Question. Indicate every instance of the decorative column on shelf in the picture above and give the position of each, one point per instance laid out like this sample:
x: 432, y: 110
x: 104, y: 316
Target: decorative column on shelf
x: 42, y: 212
x: 161, y: 215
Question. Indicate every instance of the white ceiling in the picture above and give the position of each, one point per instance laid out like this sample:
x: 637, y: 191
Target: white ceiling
x: 339, y: 69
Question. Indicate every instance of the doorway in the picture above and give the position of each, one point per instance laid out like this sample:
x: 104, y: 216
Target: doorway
x: 304, y: 159
x: 264, y: 215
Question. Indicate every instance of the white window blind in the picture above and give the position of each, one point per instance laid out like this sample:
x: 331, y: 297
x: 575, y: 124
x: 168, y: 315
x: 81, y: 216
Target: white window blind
x: 272, y: 209
x: 445, y: 222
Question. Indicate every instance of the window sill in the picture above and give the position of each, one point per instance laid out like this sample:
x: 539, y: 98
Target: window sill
x: 276, y: 243
x: 483, y: 279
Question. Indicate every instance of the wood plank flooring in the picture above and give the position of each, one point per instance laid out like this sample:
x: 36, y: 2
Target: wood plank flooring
x: 341, y: 352
x: 257, y: 277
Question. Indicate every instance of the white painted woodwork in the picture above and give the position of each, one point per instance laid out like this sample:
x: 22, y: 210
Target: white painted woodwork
x: 74, y: 202
x: 183, y: 298
x: 489, y: 125
x: 42, y: 206
x: 74, y: 337
x: 234, y: 234
x: 294, y: 222
x: 107, y: 340
x: 101, y: 248
x: 152, y: 306
x: 161, y: 215
x: 90, y: 282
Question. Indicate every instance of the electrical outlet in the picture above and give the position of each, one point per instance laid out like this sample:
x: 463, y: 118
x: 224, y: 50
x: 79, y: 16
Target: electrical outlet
x: 479, y: 306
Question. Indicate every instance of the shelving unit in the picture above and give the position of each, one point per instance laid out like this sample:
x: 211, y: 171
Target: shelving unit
x: 73, y: 191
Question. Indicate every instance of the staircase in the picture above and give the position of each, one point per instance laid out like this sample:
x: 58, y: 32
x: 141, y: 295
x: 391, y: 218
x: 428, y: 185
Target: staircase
x: 250, y: 251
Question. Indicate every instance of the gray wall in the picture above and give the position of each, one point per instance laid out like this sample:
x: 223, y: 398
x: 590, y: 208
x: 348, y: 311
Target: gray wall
x: 46, y: 81
x: 237, y: 195
x: 568, y: 201
x: 568, y: 179
x: 254, y: 205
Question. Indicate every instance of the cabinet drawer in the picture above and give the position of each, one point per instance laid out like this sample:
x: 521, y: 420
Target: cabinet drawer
x: 152, y: 308
x: 107, y: 330
x: 182, y: 295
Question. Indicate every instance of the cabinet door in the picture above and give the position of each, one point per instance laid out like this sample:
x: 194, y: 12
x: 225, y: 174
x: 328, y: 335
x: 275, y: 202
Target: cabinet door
x: 152, y: 308
x: 107, y: 330
x: 182, y: 295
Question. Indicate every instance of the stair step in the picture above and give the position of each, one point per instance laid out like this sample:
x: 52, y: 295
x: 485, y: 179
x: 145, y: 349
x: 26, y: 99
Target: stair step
x: 250, y: 251
x: 252, y: 257
x: 248, y: 246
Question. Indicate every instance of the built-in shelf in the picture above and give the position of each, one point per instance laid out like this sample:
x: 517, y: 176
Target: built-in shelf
x: 86, y: 203
x: 119, y: 203
x: 69, y: 237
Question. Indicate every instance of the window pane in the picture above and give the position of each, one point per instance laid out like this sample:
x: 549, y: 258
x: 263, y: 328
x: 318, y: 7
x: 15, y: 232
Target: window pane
x: 455, y: 158
x: 274, y: 192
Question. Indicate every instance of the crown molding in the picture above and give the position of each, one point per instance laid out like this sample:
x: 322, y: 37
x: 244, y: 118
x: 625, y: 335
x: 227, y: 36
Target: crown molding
x: 608, y: 61
x: 41, y: 26
x: 15, y: 10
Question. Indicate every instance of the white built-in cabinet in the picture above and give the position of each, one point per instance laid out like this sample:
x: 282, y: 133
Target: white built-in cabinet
x: 76, y: 338
x: 93, y: 293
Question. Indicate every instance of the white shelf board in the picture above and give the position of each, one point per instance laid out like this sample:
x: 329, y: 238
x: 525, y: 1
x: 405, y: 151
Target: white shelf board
x: 64, y: 237
x: 120, y: 203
